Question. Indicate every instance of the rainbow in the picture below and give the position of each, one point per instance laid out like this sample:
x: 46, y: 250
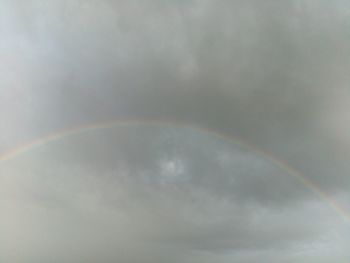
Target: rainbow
x: 109, y: 124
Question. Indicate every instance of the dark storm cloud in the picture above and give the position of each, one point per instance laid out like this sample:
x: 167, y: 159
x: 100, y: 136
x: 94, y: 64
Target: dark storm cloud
x: 274, y: 73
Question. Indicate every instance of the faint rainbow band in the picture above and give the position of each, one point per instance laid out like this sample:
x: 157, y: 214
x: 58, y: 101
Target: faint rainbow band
x: 332, y: 202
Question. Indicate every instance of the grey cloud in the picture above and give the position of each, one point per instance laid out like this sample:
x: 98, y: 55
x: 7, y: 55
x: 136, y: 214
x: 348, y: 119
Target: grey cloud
x: 274, y: 73
x: 80, y: 199
x: 266, y: 72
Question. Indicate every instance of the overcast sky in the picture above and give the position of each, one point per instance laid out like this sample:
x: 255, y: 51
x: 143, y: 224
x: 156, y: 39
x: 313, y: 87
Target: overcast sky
x: 272, y: 73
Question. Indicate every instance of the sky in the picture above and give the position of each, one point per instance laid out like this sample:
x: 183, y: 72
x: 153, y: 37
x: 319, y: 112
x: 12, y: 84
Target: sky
x: 269, y: 80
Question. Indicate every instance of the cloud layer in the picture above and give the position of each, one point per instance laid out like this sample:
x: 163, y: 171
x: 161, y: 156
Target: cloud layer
x: 274, y: 73
x: 145, y: 193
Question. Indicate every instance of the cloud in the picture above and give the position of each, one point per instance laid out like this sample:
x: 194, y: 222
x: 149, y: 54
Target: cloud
x: 266, y: 72
x: 80, y: 199
x: 273, y: 73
